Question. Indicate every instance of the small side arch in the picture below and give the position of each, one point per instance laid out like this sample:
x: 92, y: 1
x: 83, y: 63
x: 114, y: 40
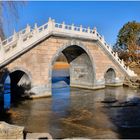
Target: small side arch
x: 22, y: 69
x: 110, y: 76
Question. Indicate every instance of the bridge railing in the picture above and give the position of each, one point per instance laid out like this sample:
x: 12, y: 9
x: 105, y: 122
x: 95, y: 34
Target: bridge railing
x: 115, y: 56
x: 21, y: 40
x: 73, y: 29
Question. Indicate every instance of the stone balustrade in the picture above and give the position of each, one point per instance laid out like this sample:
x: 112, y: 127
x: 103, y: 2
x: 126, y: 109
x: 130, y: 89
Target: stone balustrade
x: 24, y: 38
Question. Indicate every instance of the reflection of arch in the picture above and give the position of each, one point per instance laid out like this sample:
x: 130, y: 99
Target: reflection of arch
x: 110, y: 76
x: 5, y: 90
x: 66, y: 49
x: 3, y: 74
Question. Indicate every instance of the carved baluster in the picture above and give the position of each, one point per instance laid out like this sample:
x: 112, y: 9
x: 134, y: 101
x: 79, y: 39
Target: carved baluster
x: 20, y: 43
x: 63, y: 25
x: 88, y: 30
x: 20, y: 39
x: 51, y: 24
x: 103, y: 39
x: 14, y: 35
x: 72, y: 27
x: 28, y: 28
x: 110, y: 50
x: 116, y: 54
x: 95, y: 30
x: 2, y: 51
x: 122, y: 62
x: 81, y: 28
x: 35, y: 28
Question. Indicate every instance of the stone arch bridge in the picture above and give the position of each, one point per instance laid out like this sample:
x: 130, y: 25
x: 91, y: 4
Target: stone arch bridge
x: 29, y: 56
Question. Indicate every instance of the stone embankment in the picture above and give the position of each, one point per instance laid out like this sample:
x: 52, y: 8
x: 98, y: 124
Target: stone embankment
x: 8, y: 131
x: 135, y: 81
x: 132, y: 82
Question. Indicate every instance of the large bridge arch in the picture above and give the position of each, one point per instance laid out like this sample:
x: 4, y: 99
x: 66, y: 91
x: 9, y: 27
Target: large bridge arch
x: 82, y: 55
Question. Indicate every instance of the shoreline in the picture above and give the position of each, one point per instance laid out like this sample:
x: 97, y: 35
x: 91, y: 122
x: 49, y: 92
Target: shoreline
x: 61, y: 65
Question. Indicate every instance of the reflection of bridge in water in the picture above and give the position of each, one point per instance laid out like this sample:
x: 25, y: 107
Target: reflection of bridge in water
x: 80, y: 113
x: 29, y: 56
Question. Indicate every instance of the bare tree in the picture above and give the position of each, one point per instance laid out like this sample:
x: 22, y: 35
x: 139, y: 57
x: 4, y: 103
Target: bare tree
x: 8, y: 9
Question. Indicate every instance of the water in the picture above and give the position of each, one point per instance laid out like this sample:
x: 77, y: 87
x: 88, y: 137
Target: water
x: 73, y: 112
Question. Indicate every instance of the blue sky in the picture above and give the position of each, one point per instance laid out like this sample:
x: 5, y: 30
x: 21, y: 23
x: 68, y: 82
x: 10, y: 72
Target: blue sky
x: 108, y: 17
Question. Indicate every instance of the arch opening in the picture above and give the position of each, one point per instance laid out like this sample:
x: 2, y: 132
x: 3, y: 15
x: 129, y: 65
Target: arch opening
x: 5, y: 90
x: 78, y: 64
x: 110, y: 77
x: 20, y: 84
x: 60, y: 72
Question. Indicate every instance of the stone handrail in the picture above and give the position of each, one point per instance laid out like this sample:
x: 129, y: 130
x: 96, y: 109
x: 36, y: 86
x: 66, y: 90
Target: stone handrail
x: 21, y: 41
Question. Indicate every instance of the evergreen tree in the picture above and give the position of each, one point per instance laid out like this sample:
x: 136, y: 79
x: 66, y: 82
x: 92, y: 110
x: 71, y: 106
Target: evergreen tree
x: 128, y: 42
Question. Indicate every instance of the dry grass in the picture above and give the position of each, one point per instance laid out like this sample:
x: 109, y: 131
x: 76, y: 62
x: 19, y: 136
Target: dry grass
x: 136, y: 69
x: 61, y: 65
x: 14, y: 114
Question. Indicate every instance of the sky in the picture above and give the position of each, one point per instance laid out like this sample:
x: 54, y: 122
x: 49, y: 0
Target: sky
x: 107, y: 17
